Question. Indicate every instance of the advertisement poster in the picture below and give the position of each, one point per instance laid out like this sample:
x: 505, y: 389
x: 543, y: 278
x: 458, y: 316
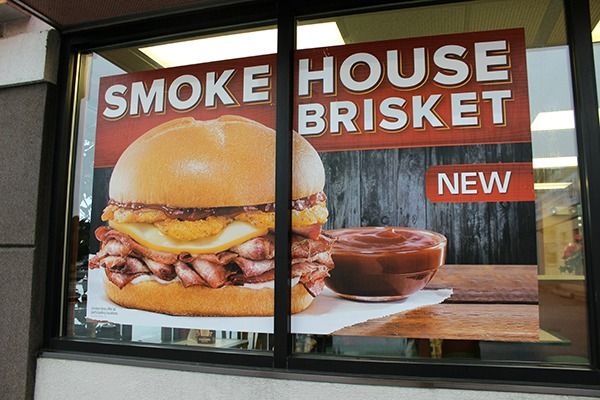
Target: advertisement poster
x: 412, y: 175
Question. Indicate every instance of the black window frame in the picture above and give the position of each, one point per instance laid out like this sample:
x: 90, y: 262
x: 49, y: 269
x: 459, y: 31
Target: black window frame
x: 443, y: 373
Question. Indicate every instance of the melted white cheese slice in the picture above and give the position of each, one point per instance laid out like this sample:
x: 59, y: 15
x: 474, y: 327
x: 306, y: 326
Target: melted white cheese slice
x: 148, y: 235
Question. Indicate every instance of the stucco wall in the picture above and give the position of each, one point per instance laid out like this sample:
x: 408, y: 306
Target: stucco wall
x: 67, y: 379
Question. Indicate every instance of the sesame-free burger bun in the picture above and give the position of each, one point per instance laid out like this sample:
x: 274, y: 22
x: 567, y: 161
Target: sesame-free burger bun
x: 175, y: 299
x: 224, y: 162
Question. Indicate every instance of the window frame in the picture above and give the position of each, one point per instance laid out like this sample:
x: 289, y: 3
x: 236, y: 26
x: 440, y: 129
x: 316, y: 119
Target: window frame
x: 502, y: 376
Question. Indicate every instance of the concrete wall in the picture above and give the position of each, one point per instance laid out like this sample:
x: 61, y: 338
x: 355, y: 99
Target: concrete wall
x: 28, y: 59
x: 90, y: 381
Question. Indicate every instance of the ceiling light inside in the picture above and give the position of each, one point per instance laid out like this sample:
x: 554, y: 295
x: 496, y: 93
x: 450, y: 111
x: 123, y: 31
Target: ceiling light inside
x: 226, y: 47
x: 239, y: 45
x: 318, y: 35
x: 596, y: 33
x: 551, y: 185
x: 553, y: 120
x: 554, y: 162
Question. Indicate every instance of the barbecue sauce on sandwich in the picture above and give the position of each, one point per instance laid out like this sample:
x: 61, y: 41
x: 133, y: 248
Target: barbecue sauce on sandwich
x: 195, y: 214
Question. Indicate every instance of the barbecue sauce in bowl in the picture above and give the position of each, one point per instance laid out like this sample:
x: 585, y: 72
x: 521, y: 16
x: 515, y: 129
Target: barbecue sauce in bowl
x: 384, y: 263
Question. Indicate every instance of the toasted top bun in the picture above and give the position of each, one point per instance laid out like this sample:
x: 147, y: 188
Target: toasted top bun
x: 224, y: 162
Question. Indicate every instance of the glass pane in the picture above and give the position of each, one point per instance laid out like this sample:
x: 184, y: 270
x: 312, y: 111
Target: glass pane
x: 173, y: 202
x: 450, y: 172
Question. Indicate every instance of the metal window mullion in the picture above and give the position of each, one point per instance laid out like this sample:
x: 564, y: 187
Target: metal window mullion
x: 585, y: 103
x: 286, y: 39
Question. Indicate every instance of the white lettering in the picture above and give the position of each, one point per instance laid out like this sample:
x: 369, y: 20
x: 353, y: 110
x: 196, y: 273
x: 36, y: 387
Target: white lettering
x: 155, y: 95
x: 310, y: 119
x: 342, y: 113
x: 459, y: 108
x: 452, y: 187
x: 195, y: 96
x: 495, y: 180
x: 254, y: 78
x: 465, y: 183
x: 305, y: 76
x: 497, y: 97
x: 120, y: 103
x: 425, y: 111
x: 460, y: 68
x: 216, y: 88
x: 347, y: 69
x: 368, y: 117
x: 391, y: 108
x: 394, y: 69
x: 483, y: 61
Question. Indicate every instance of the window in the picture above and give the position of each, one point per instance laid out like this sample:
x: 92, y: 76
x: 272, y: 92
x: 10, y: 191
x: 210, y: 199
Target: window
x: 146, y: 263
x: 509, y: 301
x: 437, y: 211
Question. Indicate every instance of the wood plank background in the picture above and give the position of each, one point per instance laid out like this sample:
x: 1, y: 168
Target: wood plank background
x: 387, y: 187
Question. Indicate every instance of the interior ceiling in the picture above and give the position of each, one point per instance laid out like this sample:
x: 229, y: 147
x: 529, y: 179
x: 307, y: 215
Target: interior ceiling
x: 65, y: 14
x: 542, y: 20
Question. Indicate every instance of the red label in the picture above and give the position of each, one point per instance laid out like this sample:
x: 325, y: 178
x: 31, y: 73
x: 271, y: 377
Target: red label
x: 129, y: 105
x: 480, y: 183
x: 433, y: 91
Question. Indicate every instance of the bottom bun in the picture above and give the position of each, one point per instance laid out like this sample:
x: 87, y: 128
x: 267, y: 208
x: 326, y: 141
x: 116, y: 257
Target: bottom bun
x: 229, y: 301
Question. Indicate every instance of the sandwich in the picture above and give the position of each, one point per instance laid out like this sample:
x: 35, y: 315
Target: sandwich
x: 190, y: 221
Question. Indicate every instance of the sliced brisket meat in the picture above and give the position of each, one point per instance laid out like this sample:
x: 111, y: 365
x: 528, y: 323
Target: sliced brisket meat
x: 187, y: 275
x: 222, y: 258
x: 96, y: 260
x: 259, y: 248
x: 134, y: 266
x: 310, y: 271
x: 112, y: 262
x: 120, y: 279
x: 104, y: 234
x: 312, y: 231
x: 240, y: 279
x: 162, y: 271
x: 249, y: 262
x: 305, y: 248
x: 321, y: 258
x: 254, y: 268
x: 116, y: 248
x: 214, y: 274
x: 315, y: 287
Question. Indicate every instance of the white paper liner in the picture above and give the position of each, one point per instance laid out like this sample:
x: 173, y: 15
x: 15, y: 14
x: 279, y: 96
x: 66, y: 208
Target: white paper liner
x: 327, y: 314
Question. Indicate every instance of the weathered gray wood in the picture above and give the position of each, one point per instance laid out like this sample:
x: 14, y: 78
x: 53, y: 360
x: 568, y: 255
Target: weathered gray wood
x: 378, y: 187
x: 342, y: 185
x: 391, y: 184
x: 412, y: 204
x: 497, y: 233
x: 467, y: 227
